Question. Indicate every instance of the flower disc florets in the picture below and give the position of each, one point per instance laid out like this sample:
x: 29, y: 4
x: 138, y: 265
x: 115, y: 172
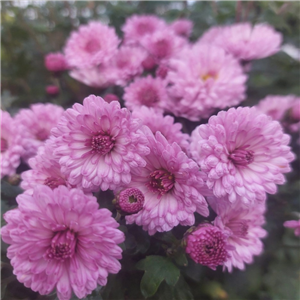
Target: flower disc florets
x: 98, y: 144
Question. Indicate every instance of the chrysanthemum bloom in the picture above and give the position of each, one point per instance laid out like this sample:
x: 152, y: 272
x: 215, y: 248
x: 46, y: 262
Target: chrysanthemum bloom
x: 247, y: 42
x: 244, y: 227
x: 55, y: 62
x: 35, y: 125
x: 11, y: 149
x: 243, y: 152
x: 293, y: 224
x: 149, y: 62
x: 127, y: 63
x: 52, y: 90
x: 172, y: 186
x: 204, y: 78
x: 211, y: 36
x: 59, y: 239
x: 93, y: 44
x: 130, y: 201
x: 165, y: 124
x: 182, y: 27
x: 111, y: 97
x: 207, y: 245
x: 45, y: 169
x: 147, y: 91
x: 163, y: 44
x: 98, y: 144
x: 138, y: 27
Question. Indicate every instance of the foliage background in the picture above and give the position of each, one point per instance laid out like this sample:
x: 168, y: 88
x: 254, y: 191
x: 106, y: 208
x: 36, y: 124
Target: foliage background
x: 31, y: 29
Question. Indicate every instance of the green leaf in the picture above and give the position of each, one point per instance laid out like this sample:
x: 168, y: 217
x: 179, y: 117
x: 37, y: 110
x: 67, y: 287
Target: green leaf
x: 157, y: 269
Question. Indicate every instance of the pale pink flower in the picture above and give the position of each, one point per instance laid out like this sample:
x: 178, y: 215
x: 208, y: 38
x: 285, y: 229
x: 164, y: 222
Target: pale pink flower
x: 55, y: 62
x: 156, y: 121
x: 293, y: 224
x: 98, y: 144
x: 243, y: 225
x: 182, y: 27
x: 243, y: 152
x: 172, y: 186
x: 35, y: 124
x: 11, y: 146
x: 211, y: 36
x: 93, y: 44
x: 203, y: 78
x: 147, y: 91
x: 138, y: 27
x: 59, y: 239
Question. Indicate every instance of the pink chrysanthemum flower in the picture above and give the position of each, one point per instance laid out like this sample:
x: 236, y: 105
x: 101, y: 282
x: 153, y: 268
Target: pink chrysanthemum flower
x: 165, y: 124
x: 45, y: 169
x: 11, y: 149
x: 172, y: 186
x: 52, y: 90
x: 243, y: 152
x: 211, y: 36
x: 93, y: 44
x: 247, y: 42
x: 138, y: 27
x: 98, y: 144
x: 182, y: 27
x: 111, y: 97
x: 207, y: 245
x: 127, y: 63
x: 243, y: 226
x: 59, y: 239
x: 147, y: 91
x: 293, y: 224
x: 35, y: 125
x: 55, y: 62
x: 204, y: 78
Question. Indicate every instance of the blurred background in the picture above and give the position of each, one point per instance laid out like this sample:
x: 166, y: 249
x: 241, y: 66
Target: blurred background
x: 31, y: 29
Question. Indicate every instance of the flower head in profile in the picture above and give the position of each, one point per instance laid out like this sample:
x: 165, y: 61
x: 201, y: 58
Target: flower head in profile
x: 11, y: 146
x: 35, y: 124
x: 59, y: 239
x: 172, y: 186
x: 98, y: 143
x: 294, y: 225
x: 55, y: 62
x: 243, y: 152
x: 147, y: 91
x: 203, y: 78
x: 207, y: 245
x: 93, y: 44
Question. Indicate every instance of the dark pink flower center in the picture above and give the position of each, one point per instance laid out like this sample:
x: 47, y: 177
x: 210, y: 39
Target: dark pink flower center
x: 241, y: 157
x: 92, y: 46
x: 62, y: 246
x: 102, y: 143
x: 143, y: 28
x: 161, y: 181
x: 54, y: 182
x: 148, y: 96
x: 239, y: 228
x: 42, y: 134
x: 131, y: 200
x: 162, y: 49
x: 4, y: 145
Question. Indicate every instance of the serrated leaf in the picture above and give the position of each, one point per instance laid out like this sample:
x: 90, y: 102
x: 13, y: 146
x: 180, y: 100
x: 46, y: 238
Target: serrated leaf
x: 157, y: 269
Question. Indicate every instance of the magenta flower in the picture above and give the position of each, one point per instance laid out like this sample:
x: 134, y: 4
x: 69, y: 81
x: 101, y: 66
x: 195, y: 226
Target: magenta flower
x: 93, y: 44
x: 52, y: 90
x: 182, y: 27
x: 55, y: 62
x: 35, y: 125
x: 130, y: 201
x: 243, y: 152
x: 11, y: 146
x: 203, y: 78
x: 293, y: 224
x: 111, y: 97
x: 243, y: 226
x: 147, y: 91
x: 98, y: 144
x: 59, y: 239
x: 207, y: 245
x: 172, y: 186
x: 156, y: 121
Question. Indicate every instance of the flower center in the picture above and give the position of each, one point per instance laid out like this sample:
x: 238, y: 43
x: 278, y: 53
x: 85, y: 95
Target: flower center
x: 148, y: 96
x: 241, y: 157
x: 239, y: 228
x: 42, y: 134
x: 62, y: 246
x: 92, y: 46
x: 143, y: 28
x: 4, y: 145
x: 54, y: 182
x: 212, y: 75
x: 162, y: 49
x: 102, y: 144
x: 161, y: 181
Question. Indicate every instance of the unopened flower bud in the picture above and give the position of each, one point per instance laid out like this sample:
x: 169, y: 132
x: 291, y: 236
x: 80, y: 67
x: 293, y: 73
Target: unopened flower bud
x: 130, y: 201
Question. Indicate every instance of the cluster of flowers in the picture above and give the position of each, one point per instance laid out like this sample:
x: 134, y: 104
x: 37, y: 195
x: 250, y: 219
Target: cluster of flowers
x: 160, y: 176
